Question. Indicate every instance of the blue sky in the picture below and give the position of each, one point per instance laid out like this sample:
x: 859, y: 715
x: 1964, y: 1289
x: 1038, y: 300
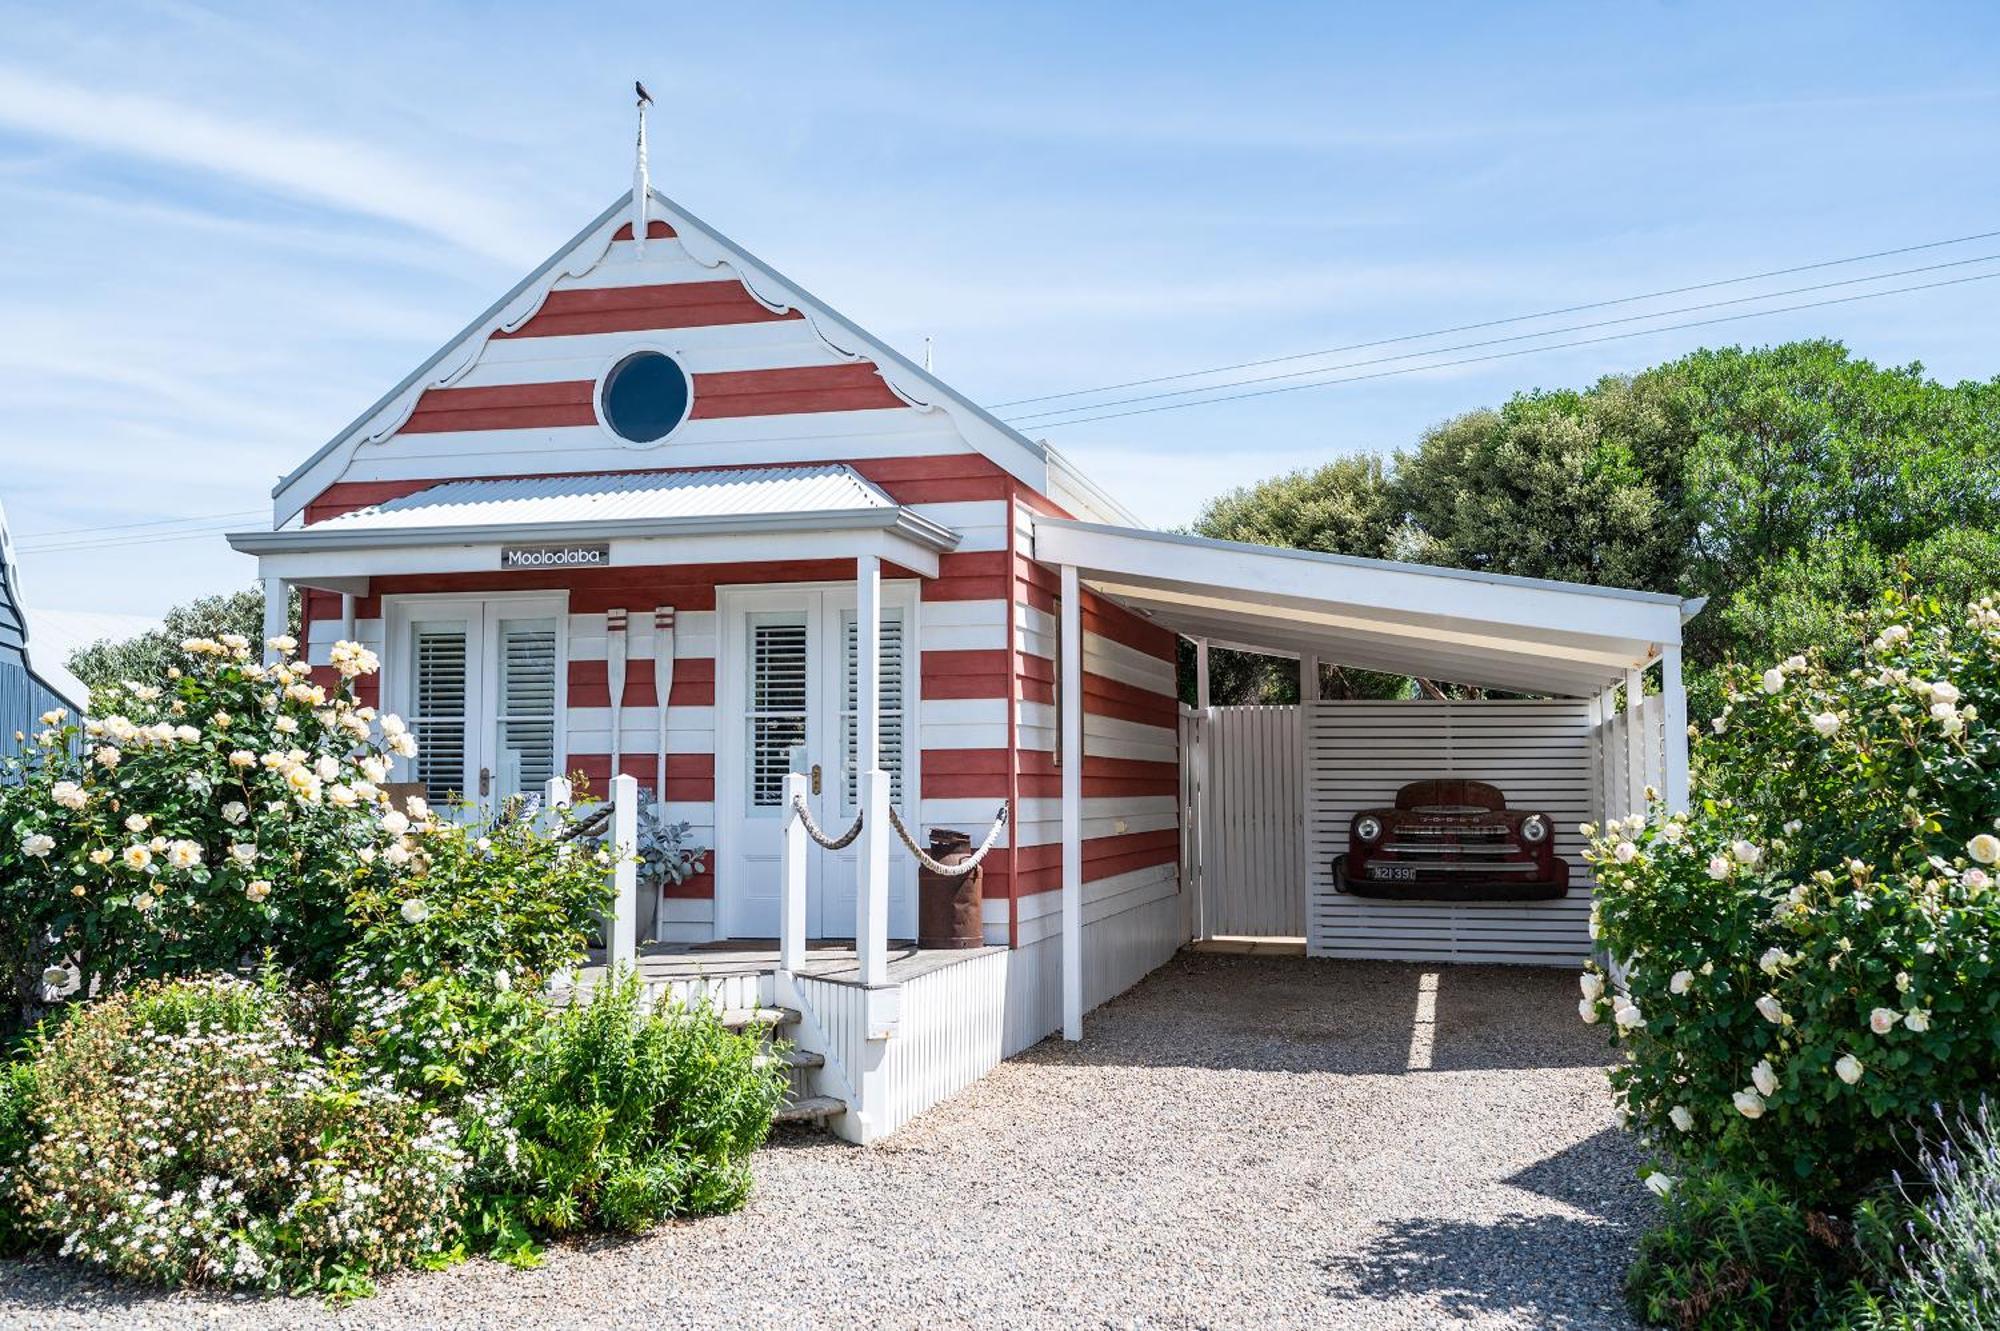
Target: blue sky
x: 227, y: 230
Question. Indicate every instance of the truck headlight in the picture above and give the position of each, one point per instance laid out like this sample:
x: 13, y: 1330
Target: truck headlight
x: 1535, y: 830
x: 1368, y: 827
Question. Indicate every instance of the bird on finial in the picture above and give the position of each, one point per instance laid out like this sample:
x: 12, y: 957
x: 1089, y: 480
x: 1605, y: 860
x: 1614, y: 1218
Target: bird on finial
x: 645, y: 98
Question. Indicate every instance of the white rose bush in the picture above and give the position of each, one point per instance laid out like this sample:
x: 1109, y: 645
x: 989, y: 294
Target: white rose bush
x: 197, y: 823
x: 265, y: 1027
x: 1815, y: 947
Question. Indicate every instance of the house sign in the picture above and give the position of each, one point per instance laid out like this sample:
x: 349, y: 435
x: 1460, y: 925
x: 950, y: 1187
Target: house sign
x: 554, y: 556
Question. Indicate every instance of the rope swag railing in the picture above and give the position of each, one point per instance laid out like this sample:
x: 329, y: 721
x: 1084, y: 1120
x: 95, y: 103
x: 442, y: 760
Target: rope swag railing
x: 591, y: 824
x: 964, y: 866
x: 846, y: 838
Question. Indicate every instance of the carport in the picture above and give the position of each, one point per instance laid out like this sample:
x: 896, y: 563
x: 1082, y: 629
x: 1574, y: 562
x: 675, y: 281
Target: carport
x: 1268, y: 792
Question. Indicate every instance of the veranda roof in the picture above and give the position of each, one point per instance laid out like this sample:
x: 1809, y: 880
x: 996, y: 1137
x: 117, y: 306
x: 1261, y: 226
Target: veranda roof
x: 614, y: 504
x: 1525, y: 635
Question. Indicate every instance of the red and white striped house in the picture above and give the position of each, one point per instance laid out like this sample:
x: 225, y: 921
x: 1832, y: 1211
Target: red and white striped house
x: 644, y: 516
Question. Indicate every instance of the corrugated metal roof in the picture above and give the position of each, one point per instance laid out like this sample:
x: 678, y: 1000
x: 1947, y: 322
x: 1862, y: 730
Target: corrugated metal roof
x: 613, y: 496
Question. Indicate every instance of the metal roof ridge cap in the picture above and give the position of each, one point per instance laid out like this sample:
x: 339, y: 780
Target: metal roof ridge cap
x: 1364, y: 562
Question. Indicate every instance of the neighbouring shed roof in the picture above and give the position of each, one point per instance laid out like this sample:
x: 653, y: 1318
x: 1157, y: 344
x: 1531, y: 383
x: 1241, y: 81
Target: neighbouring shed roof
x: 1525, y: 635
x: 613, y: 504
x: 16, y: 632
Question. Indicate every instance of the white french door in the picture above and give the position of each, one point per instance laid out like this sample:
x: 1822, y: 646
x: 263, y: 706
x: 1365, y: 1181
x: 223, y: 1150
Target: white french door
x: 788, y: 681
x: 481, y: 682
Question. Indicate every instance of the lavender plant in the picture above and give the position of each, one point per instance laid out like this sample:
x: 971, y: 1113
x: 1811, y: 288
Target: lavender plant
x: 1950, y: 1256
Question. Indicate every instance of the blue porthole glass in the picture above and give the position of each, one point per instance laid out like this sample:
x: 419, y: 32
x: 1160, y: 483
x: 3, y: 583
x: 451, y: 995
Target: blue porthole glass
x: 645, y: 396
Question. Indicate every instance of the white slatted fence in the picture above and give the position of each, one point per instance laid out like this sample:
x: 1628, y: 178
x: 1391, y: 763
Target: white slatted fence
x: 1544, y: 755
x: 1252, y: 842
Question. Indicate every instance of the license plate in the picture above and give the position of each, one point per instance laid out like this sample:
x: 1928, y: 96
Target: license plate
x: 1395, y: 873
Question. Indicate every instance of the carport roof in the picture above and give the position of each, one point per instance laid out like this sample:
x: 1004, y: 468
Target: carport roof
x: 1523, y: 635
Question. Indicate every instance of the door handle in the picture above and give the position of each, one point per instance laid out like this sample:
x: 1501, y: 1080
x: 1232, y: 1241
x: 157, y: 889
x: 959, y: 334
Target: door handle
x: 485, y: 782
x: 815, y: 778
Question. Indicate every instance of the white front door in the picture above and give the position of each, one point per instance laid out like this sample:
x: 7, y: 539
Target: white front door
x: 481, y: 682
x: 787, y: 670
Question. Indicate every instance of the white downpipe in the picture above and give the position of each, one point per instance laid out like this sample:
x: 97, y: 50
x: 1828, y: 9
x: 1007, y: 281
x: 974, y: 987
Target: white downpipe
x: 347, y: 616
x: 1675, y: 754
x: 622, y: 938
x: 1071, y: 635
x: 871, y: 924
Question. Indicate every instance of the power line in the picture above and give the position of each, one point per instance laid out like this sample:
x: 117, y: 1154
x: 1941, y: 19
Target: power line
x: 1038, y: 419
x: 108, y: 543
x: 1496, y: 323
x: 1529, y: 351
x: 155, y: 522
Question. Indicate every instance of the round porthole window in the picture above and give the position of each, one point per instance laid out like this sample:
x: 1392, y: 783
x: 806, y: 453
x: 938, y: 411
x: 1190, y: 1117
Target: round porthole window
x: 645, y: 396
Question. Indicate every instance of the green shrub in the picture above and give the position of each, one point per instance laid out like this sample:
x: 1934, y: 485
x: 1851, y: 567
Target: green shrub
x: 500, y: 902
x: 1740, y: 1254
x: 1811, y: 951
x: 621, y: 1118
x: 203, y: 821
x: 187, y: 1135
x: 17, y: 1134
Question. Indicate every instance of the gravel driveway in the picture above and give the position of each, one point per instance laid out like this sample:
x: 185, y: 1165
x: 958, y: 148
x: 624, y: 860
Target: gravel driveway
x: 1241, y: 1141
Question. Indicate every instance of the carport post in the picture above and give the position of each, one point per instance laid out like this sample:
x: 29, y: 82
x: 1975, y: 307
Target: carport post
x: 1071, y: 637
x: 1308, y: 678
x: 1676, y: 748
x: 1635, y: 743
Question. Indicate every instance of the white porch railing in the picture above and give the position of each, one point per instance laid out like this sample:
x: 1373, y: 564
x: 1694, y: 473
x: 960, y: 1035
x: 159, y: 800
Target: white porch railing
x: 620, y: 816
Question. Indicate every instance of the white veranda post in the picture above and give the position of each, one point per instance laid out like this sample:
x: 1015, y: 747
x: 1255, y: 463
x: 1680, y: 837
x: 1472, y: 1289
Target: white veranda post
x: 276, y: 593
x: 871, y: 925
x: 622, y: 938
x: 1070, y: 635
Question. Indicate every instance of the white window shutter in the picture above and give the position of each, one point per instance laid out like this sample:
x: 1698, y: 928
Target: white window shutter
x: 440, y: 660
x: 527, y: 715
x: 777, y: 716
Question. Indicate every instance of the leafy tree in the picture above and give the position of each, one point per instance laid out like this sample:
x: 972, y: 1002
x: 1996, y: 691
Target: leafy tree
x: 146, y: 656
x: 1787, y: 484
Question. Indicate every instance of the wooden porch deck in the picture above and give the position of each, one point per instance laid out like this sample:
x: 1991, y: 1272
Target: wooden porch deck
x: 664, y: 964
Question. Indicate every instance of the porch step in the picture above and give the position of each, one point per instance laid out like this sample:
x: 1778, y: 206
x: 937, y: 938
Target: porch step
x: 794, y: 1059
x: 766, y: 1018
x: 809, y: 1109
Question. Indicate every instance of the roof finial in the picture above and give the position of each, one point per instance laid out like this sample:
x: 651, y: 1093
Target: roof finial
x: 642, y: 187
x: 927, y: 355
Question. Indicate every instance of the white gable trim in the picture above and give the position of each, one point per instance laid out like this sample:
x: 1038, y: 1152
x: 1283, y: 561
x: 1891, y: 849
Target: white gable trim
x: 1017, y: 454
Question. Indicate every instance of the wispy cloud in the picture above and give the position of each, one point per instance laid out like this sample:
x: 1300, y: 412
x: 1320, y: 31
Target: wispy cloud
x: 351, y: 177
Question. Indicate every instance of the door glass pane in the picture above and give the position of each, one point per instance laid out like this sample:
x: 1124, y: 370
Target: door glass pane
x: 526, y: 722
x: 438, y: 670
x: 776, y: 720
x: 891, y: 709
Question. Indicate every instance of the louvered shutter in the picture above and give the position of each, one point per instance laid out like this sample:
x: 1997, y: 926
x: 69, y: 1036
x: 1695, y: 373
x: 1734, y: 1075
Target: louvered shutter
x: 527, y: 713
x: 777, y: 718
x: 891, y: 710
x: 440, y: 652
